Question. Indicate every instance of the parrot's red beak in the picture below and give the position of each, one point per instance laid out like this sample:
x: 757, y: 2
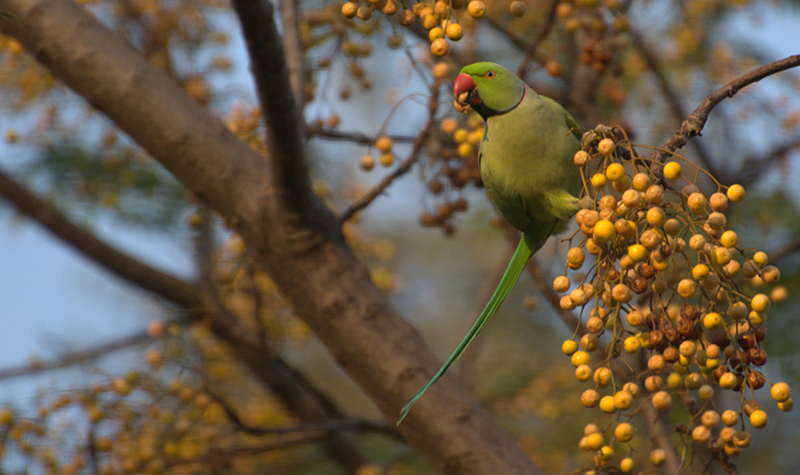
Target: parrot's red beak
x: 464, y: 92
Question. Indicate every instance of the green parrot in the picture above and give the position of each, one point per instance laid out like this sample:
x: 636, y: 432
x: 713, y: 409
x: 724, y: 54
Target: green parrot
x: 526, y: 163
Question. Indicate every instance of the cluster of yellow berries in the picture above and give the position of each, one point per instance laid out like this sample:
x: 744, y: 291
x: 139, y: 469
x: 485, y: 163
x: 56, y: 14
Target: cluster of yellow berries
x: 662, y: 277
x: 456, y: 151
x: 439, y: 17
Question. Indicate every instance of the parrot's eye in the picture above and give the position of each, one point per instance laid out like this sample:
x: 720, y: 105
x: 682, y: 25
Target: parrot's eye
x: 490, y: 74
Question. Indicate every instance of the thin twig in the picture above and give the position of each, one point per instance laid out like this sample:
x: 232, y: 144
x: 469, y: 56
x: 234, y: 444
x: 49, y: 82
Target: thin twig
x: 73, y: 358
x: 533, y: 47
x: 355, y: 137
x: 328, y: 425
x: 403, y: 168
x: 694, y: 124
x: 754, y: 166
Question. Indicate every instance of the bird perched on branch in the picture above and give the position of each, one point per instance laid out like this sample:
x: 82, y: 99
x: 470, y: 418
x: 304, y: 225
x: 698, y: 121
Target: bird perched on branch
x: 526, y: 163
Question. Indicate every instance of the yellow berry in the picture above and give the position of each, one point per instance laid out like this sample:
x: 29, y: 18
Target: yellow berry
x: 641, y: 181
x: 700, y: 271
x: 454, y: 31
x: 621, y: 293
x: 581, y: 158
x: 730, y: 418
x: 602, y: 376
x: 440, y: 47
x: 384, y: 144
x: 718, y: 201
x: 349, y: 10
x: 623, y: 432
x: 626, y: 465
x: 575, y: 258
x: 705, y: 392
x: 758, y: 418
x: 710, y: 419
x: 569, y: 347
x: 728, y: 381
x: 672, y: 171
x: 635, y: 318
x: 760, y: 303
x: 599, y: 181
x: 736, y: 193
x: 662, y: 400
x: 615, y: 172
x: 686, y: 288
x: 658, y: 457
x: 583, y: 372
x: 604, y: 231
x: 674, y: 380
x: 780, y: 392
x: 607, y: 147
x: 605, y: 453
x: 607, y: 405
x: 701, y: 434
x: 696, y: 202
x: 631, y: 344
x: 580, y: 358
x: 476, y: 9
x: 594, y: 441
x: 590, y: 398
x: 553, y: 67
x: 760, y: 258
x: 637, y: 253
x: 561, y: 284
x: 654, y: 194
x: 386, y: 159
x: 435, y: 33
x: 729, y: 239
x: 656, y: 217
x: 786, y: 405
x: 623, y: 400
x: 712, y: 321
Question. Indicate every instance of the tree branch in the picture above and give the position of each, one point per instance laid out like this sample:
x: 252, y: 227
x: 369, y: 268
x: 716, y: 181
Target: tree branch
x: 673, y: 101
x: 308, y: 259
x: 350, y: 423
x: 73, y: 358
x: 284, y: 126
x: 86, y: 243
x: 694, y: 124
x: 355, y: 137
x: 404, y: 167
x: 293, y: 49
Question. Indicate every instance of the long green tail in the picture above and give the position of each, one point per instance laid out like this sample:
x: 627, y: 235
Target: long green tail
x: 510, y: 277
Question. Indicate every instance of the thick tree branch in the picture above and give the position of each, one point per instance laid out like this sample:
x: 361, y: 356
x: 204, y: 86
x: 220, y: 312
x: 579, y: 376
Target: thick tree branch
x: 284, y: 125
x: 694, y: 124
x: 289, y: 385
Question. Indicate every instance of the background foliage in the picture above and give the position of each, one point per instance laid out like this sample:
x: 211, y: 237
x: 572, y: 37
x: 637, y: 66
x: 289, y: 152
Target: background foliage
x: 179, y: 399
